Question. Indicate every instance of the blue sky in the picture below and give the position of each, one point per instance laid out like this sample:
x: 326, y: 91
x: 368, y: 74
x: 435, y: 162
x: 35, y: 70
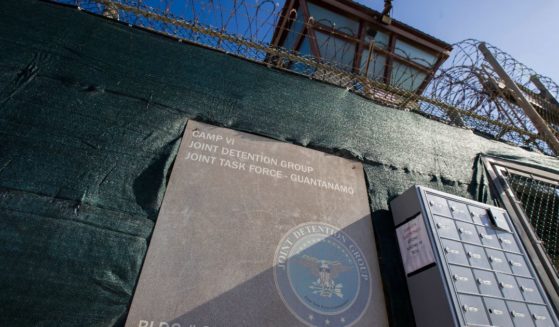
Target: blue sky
x: 526, y: 29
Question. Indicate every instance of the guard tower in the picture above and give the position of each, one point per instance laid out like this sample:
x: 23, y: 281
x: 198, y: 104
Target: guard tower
x: 361, y: 40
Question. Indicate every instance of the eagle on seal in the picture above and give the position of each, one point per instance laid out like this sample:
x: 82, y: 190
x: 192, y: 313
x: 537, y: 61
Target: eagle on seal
x: 324, y: 270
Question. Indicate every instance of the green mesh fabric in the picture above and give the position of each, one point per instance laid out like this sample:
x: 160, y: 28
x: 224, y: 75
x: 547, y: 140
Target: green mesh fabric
x: 91, y: 115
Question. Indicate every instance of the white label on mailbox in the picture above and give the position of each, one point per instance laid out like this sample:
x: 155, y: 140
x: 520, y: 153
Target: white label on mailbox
x: 465, y: 231
x: 495, y: 259
x: 504, y: 240
x: 415, y: 247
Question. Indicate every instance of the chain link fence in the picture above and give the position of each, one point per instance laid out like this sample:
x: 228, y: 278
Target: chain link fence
x: 540, y: 201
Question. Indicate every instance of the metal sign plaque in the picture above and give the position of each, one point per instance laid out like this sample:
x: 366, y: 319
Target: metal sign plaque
x: 257, y: 232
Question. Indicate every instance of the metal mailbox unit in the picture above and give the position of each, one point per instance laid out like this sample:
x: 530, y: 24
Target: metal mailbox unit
x: 465, y: 264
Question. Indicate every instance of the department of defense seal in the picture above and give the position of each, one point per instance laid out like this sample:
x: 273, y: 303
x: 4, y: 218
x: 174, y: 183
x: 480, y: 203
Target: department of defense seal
x: 322, y: 275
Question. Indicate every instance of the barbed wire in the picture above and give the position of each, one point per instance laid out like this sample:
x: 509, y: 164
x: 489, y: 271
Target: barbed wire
x: 467, y: 82
x: 460, y: 93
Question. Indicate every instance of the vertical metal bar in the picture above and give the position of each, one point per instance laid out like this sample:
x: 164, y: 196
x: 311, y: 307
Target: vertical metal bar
x: 389, y: 59
x: 310, y: 30
x: 369, y: 56
x: 359, y: 48
x: 555, y: 227
x: 282, y: 23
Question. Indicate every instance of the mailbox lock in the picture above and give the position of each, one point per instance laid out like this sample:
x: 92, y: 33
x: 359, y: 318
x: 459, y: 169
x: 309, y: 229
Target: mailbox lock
x: 495, y: 311
x: 474, y: 255
x: 460, y: 278
x: 526, y: 289
x: 489, y: 237
x: 504, y: 240
x: 464, y: 231
x: 469, y: 308
x: 483, y: 282
x: 505, y: 285
x: 515, y: 264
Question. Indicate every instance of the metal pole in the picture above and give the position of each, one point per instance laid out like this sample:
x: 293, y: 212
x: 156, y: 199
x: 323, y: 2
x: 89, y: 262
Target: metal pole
x: 537, y: 120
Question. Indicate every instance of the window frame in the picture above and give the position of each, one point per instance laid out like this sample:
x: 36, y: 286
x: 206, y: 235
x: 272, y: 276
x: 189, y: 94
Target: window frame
x: 365, y: 19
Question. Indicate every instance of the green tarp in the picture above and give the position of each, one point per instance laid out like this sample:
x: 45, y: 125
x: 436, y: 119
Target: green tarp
x: 91, y: 115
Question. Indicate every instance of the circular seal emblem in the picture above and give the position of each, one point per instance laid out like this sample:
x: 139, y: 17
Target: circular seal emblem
x: 322, y: 275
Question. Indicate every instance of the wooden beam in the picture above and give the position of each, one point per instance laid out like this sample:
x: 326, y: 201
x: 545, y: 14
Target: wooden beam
x: 495, y: 88
x: 543, y: 90
x: 537, y: 120
x: 499, y: 91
